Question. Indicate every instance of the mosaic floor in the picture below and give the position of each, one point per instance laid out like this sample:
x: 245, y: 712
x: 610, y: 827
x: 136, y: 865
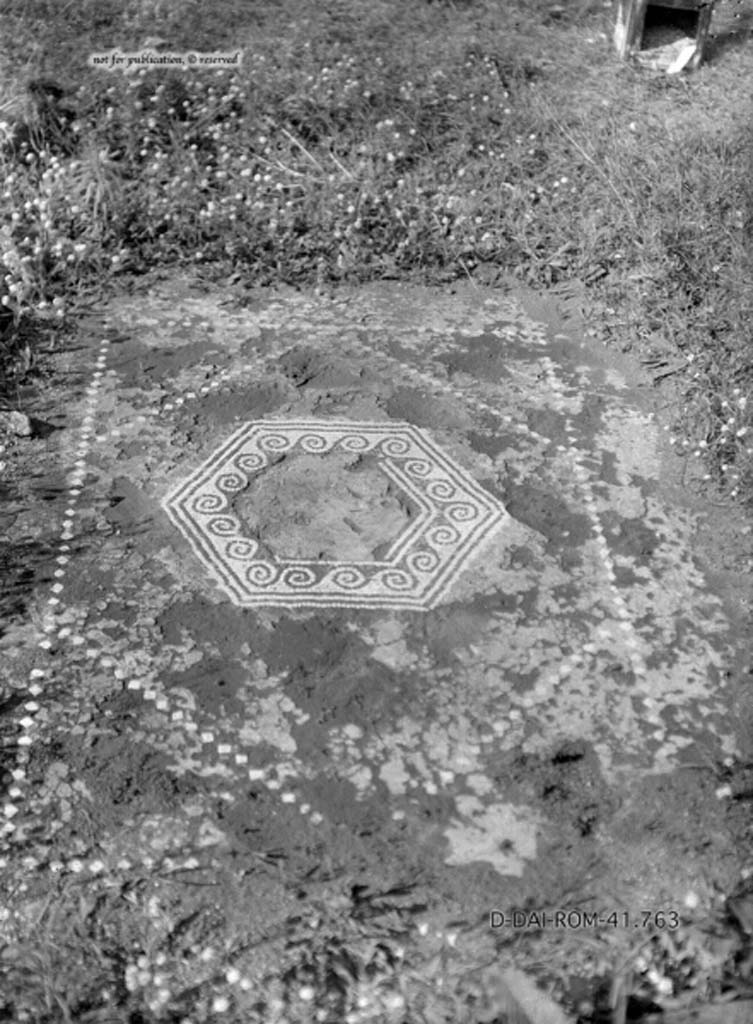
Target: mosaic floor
x: 449, y: 520
x: 359, y: 555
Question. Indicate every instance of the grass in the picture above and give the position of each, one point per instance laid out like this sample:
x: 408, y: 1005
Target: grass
x: 364, y: 139
x: 134, y: 948
x: 178, y: 944
x: 430, y: 141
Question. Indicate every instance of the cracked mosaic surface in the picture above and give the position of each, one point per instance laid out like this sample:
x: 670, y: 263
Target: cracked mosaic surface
x: 584, y: 617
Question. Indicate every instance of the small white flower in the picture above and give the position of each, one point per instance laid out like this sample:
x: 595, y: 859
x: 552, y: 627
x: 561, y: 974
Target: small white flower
x: 131, y: 977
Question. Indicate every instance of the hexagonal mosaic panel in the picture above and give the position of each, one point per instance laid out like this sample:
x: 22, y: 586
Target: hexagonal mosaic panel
x: 340, y: 513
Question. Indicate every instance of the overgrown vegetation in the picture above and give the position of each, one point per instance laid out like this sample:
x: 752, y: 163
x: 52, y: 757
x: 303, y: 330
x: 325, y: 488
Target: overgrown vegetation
x: 361, y: 140
x: 432, y: 141
x: 174, y: 942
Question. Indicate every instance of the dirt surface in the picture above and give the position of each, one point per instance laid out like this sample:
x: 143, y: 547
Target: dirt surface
x: 398, y: 591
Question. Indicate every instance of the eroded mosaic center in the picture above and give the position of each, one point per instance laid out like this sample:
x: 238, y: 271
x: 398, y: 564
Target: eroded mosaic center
x: 312, y: 512
x: 335, y: 507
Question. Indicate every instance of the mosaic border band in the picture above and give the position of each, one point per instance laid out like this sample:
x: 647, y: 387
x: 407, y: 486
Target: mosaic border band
x: 455, y: 516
